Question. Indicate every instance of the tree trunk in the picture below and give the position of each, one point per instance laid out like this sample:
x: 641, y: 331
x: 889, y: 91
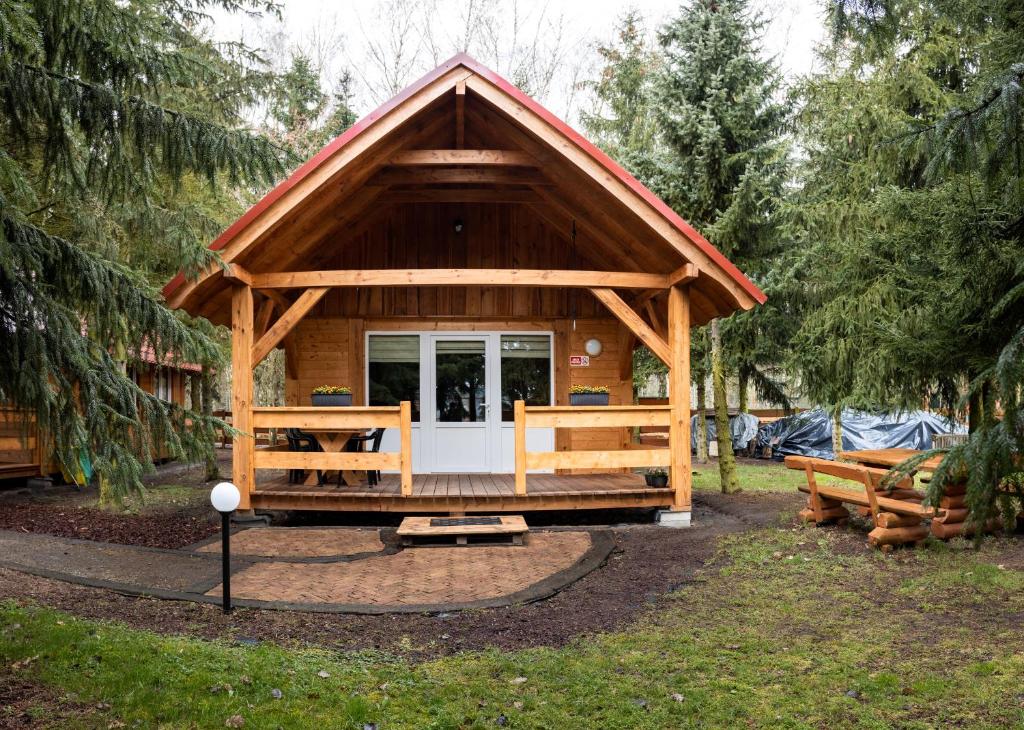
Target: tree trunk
x: 837, y: 431
x: 702, y: 423
x: 744, y: 384
x: 726, y: 458
x: 206, y: 381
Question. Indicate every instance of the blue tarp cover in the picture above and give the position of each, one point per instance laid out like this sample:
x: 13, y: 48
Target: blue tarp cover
x: 810, y: 433
x: 742, y: 428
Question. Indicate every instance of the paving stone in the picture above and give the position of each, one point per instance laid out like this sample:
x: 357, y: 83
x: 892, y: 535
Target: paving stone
x: 300, y: 542
x: 415, y: 576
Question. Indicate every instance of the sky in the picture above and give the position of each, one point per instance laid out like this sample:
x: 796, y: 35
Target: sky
x: 546, y: 44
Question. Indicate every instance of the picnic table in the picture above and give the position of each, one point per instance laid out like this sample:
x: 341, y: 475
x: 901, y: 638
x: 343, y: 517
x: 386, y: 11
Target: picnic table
x: 334, y: 440
x: 888, y: 458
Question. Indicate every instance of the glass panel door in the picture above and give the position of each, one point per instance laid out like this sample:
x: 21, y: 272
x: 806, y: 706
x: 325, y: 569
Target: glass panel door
x: 462, y: 429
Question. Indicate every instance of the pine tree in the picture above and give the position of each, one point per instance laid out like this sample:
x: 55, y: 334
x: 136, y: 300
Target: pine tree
x: 914, y: 209
x: 725, y: 161
x: 112, y: 114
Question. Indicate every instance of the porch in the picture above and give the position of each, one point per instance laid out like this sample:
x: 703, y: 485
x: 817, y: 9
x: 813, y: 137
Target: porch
x: 541, y: 479
x: 444, y: 493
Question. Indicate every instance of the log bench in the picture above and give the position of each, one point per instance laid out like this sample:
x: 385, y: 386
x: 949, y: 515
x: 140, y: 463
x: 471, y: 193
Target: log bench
x: 898, y: 518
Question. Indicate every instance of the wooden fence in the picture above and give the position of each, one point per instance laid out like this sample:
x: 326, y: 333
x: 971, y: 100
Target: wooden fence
x: 585, y: 417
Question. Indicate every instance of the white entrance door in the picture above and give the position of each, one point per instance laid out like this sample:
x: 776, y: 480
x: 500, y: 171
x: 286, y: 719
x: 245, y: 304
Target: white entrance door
x: 463, y: 389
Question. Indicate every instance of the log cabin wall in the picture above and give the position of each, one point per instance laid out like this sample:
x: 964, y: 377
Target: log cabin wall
x: 328, y: 344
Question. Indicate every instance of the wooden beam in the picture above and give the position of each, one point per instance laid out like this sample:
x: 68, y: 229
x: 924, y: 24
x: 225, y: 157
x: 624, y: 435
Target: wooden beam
x: 457, y: 277
x: 243, y: 472
x: 237, y: 275
x: 263, y: 318
x: 286, y: 322
x: 434, y: 158
x: 681, y: 476
x: 461, y: 195
x: 634, y: 322
x: 457, y: 175
x: 291, y: 356
x: 656, y: 323
x: 683, y: 275
x: 460, y: 113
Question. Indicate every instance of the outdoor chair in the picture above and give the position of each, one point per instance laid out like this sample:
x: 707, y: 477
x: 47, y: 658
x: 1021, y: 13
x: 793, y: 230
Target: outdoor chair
x: 299, y: 440
x: 368, y: 443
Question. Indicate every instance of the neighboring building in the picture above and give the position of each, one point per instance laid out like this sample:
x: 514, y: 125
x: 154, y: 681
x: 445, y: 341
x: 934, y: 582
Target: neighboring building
x: 461, y: 259
x: 24, y: 452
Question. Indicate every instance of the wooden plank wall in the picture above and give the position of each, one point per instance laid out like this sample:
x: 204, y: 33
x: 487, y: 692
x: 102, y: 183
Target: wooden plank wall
x: 494, y: 235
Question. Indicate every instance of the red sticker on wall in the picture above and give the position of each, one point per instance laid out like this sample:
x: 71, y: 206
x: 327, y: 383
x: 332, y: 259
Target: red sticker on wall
x: 579, y: 361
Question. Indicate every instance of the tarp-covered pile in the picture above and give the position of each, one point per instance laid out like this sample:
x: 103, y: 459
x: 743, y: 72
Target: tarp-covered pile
x: 810, y: 433
x: 742, y: 428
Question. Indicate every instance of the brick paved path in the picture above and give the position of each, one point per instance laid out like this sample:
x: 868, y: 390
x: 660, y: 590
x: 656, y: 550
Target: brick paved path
x: 300, y: 542
x: 416, y: 576
x: 332, y: 569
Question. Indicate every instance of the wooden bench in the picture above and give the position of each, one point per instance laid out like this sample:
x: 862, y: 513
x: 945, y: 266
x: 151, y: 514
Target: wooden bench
x: 897, y: 513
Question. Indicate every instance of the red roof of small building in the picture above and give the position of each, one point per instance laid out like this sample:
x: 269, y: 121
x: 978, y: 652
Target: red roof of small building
x: 471, y: 64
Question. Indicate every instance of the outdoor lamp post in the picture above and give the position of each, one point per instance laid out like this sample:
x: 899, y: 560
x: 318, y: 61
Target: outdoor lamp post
x: 225, y: 498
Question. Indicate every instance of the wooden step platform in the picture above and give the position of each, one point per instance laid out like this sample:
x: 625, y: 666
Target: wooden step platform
x: 488, y: 529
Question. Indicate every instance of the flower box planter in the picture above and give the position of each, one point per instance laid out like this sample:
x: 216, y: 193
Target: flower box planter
x: 656, y: 480
x: 588, y: 399
x: 322, y: 400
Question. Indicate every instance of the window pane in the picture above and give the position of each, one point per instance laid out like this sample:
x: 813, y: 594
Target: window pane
x: 525, y: 372
x: 461, y: 381
x: 394, y: 364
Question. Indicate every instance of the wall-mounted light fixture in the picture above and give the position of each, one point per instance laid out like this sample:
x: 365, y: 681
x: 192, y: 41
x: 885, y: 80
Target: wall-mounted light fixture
x: 593, y: 347
x: 457, y: 225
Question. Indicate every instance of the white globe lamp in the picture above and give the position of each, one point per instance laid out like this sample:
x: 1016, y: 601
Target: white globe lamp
x: 225, y: 497
x: 593, y: 347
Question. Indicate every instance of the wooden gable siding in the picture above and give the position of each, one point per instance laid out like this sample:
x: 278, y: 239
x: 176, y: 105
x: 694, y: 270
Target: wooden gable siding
x: 496, y: 235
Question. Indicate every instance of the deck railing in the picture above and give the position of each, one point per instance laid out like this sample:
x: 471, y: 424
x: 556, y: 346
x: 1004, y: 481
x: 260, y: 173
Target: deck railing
x: 334, y: 420
x: 585, y: 417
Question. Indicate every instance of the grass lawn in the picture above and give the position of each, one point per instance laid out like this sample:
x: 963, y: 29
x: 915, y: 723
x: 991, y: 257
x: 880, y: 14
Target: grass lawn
x: 761, y: 476
x: 794, y: 628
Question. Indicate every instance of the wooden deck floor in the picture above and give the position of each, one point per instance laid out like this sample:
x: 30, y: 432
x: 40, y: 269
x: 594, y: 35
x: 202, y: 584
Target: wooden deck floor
x: 467, y: 493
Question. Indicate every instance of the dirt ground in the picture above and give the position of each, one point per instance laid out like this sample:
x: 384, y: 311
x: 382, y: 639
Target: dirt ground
x: 648, y: 562
x: 25, y: 704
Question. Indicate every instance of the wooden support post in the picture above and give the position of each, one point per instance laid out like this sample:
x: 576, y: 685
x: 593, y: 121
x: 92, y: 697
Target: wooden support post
x: 243, y: 472
x: 405, y: 433
x: 519, y: 415
x: 679, y: 395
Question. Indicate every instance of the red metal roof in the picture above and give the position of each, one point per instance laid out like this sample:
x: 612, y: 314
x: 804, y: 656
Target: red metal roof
x: 471, y: 64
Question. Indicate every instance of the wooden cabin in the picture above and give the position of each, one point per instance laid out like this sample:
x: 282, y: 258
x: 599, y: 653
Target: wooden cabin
x: 27, y: 452
x: 461, y: 258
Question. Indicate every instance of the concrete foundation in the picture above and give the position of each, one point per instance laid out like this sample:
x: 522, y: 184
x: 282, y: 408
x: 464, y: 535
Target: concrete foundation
x: 672, y: 518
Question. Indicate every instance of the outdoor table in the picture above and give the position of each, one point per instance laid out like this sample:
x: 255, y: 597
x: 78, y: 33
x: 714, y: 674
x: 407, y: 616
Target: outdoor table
x: 333, y: 441
x: 888, y: 458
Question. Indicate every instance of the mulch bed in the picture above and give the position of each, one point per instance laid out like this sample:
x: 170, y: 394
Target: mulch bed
x: 170, y: 528
x: 648, y: 562
x: 25, y: 704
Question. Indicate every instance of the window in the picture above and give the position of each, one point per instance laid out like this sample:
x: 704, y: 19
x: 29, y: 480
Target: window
x: 394, y: 365
x: 525, y: 372
x: 461, y: 381
x: 162, y: 384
